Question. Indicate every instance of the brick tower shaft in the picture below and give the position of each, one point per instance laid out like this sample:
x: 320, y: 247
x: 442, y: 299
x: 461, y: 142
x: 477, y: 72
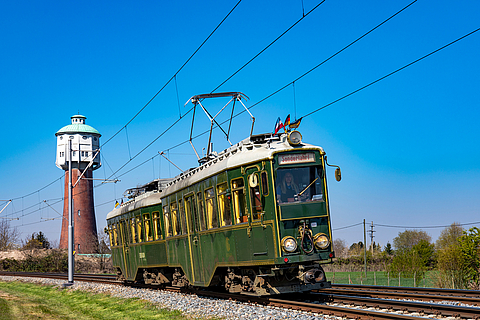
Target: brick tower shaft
x: 84, y: 223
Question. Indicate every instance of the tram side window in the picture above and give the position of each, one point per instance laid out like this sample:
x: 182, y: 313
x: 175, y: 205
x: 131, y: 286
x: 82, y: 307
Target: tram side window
x: 157, y: 228
x: 192, y: 214
x: 256, y: 201
x: 224, y: 205
x: 239, y: 201
x: 132, y: 229
x: 114, y: 238
x: 139, y: 229
x: 121, y: 232
x: 148, y: 228
x: 175, y: 219
x: 264, y: 183
x: 201, y: 212
x: 211, y: 209
x: 168, y: 222
x: 182, y: 218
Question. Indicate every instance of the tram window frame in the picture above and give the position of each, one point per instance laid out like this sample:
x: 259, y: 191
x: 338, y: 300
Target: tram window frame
x: 239, y: 208
x: 191, y: 213
x: 211, y: 208
x: 121, y: 232
x: 133, y: 230
x: 256, y: 203
x: 201, y: 211
x: 138, y: 220
x: 114, y: 233
x: 224, y: 204
x: 157, y: 226
x: 147, y: 224
x: 174, y: 219
x: 168, y: 221
x: 183, y: 219
x: 264, y: 180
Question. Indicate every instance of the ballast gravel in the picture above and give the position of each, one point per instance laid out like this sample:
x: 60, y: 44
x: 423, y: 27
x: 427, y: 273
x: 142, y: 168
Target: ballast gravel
x: 190, y: 305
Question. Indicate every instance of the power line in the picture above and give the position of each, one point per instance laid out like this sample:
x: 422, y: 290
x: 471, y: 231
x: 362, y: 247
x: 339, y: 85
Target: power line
x: 393, y: 72
x: 350, y: 226
x: 174, y: 76
x: 270, y: 44
x: 426, y: 227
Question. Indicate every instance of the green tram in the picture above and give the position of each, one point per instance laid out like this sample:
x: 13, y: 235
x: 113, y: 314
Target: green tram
x: 254, y: 218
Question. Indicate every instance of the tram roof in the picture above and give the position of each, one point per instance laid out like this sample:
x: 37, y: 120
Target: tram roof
x: 249, y: 150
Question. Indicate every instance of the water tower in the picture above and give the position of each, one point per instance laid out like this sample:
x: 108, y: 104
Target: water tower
x: 85, y: 141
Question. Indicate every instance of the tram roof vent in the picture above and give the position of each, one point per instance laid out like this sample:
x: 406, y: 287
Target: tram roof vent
x: 263, y: 138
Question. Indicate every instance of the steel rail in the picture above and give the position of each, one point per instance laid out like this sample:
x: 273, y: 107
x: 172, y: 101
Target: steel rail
x: 467, y: 312
x: 439, y: 291
x: 430, y: 296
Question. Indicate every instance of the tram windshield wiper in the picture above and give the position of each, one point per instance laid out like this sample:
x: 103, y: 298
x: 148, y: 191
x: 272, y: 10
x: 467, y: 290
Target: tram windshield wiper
x: 305, y: 189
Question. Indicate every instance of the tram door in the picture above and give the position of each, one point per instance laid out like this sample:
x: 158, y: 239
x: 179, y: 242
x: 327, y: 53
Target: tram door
x: 257, y: 214
x: 125, y: 248
x: 194, y: 240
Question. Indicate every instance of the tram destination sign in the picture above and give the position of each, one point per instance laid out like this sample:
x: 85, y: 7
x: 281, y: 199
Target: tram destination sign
x: 296, y: 158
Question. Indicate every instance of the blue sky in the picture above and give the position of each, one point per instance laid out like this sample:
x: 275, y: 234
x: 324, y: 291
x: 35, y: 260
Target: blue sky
x: 407, y: 145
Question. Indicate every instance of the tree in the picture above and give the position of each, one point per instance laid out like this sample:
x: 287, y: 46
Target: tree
x: 470, y: 246
x: 8, y: 235
x: 356, y: 249
x: 36, y: 241
x: 388, y: 249
x: 415, y: 261
x: 341, y: 249
x: 449, y: 236
x: 409, y: 238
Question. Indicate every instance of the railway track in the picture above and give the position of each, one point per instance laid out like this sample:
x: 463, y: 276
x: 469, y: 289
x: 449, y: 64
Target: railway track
x: 471, y: 297
x: 353, y: 302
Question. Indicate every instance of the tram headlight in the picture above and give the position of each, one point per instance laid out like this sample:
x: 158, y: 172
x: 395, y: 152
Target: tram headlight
x: 289, y: 244
x: 321, y: 241
x: 294, y: 138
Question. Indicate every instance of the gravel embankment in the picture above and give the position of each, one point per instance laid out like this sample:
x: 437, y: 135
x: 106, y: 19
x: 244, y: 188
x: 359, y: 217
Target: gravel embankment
x: 190, y: 305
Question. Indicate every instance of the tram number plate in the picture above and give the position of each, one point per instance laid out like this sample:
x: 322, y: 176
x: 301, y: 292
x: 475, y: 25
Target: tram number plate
x: 296, y: 158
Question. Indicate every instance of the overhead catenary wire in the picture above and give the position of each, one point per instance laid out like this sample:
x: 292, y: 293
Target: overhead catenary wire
x: 154, y: 96
x: 268, y: 46
x: 176, y: 73
x: 303, y: 75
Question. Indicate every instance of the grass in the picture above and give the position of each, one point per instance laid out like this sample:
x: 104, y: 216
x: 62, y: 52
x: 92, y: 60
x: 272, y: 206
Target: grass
x: 380, y: 278
x: 19, y: 300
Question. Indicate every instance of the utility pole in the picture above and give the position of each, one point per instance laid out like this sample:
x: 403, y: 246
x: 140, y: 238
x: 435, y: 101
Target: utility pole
x: 365, y: 247
x: 371, y: 231
x: 70, y: 217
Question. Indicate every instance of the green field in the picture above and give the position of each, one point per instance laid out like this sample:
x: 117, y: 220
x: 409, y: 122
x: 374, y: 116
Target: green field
x: 381, y: 278
x: 19, y: 300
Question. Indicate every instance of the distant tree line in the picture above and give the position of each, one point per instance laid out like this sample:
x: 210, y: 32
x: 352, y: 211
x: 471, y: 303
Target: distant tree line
x: 455, y: 256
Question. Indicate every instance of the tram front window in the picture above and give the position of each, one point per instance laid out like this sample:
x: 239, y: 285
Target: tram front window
x: 299, y: 184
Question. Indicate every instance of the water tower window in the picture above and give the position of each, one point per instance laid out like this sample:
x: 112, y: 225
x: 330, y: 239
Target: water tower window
x: 84, y: 137
x: 61, y: 138
x: 95, y: 139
